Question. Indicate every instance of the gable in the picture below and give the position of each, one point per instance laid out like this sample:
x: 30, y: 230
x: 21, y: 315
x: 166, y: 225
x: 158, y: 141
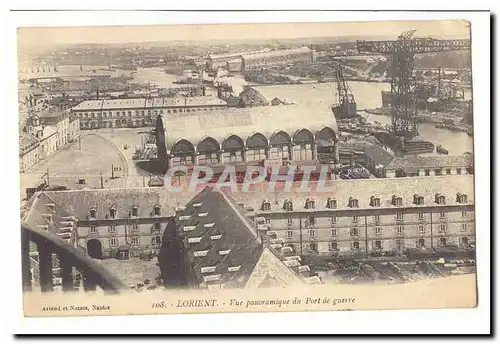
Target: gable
x: 270, y: 271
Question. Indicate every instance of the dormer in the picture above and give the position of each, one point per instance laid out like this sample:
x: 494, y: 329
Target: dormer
x: 310, y: 204
x: 288, y: 205
x: 461, y: 198
x: 331, y: 203
x: 440, y: 199
x: 397, y: 201
x: 92, y: 214
x: 266, y: 205
x: 157, y: 210
x: 112, y: 212
x: 353, y: 203
x: 374, y: 201
x: 418, y: 199
x: 135, y: 211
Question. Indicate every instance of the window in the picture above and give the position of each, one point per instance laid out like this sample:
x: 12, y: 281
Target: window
x: 355, y: 245
x: 375, y: 202
x: 266, y: 206
x: 157, y: 210
x: 156, y: 240
x: 157, y: 226
x: 397, y: 201
x: 288, y: 206
x: 268, y: 221
x: 331, y: 203
x: 135, y: 211
x: 310, y: 221
x: 438, y: 172
x: 93, y: 213
x: 463, y: 227
x: 289, y: 221
x: 420, y: 216
x: 289, y: 234
x: 459, y: 171
x: 421, y: 243
x: 461, y: 198
x: 310, y: 204
x: 142, y: 113
x: 464, y: 241
x: 440, y: 199
x: 442, y: 242
x: 418, y: 200
x: 333, y: 231
x: 376, y: 218
x: 333, y: 219
x: 442, y: 215
x: 313, y: 247
x: 427, y: 172
x: 135, y: 227
x: 112, y: 213
x: 113, y: 242
x: 399, y: 217
x: 421, y: 228
x: 312, y: 232
x: 353, y: 203
x: 135, y: 240
x: 448, y: 171
x: 378, y: 244
x: 400, y: 229
x: 355, y: 219
x: 112, y: 229
x: 442, y: 228
x: 354, y: 232
x: 378, y: 230
x: 93, y: 229
x: 333, y: 246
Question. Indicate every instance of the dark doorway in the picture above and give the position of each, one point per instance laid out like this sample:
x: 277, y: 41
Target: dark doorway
x: 94, y: 248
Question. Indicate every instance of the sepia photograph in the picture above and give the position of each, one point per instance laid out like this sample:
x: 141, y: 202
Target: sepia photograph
x: 267, y: 167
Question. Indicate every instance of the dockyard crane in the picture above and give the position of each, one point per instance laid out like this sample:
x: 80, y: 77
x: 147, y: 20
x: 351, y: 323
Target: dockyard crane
x: 403, y: 81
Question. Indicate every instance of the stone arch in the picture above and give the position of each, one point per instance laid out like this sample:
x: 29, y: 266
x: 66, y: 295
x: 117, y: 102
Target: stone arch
x: 208, y: 151
x: 326, y: 136
x: 233, y: 143
x: 280, y: 146
x: 233, y: 149
x: 303, y: 136
x: 280, y: 138
x: 303, y: 145
x: 182, y: 146
x: 257, y: 147
x: 208, y: 145
x: 257, y: 140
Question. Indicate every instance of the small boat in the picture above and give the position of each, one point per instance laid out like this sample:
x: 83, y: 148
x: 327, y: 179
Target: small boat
x: 441, y: 150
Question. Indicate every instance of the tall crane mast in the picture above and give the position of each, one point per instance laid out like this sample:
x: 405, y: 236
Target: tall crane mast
x: 403, y: 82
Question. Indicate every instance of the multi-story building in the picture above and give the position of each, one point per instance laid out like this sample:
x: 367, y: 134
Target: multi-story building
x: 363, y: 217
x: 29, y: 154
x: 137, y: 112
x: 104, y: 222
x: 243, y: 136
x: 243, y: 61
x: 74, y: 127
x: 412, y: 165
x: 278, y: 57
x: 58, y: 119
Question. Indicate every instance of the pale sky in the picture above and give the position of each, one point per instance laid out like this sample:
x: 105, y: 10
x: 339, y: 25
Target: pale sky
x: 125, y: 34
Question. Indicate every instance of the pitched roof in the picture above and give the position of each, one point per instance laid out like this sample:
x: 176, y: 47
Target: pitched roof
x: 79, y: 202
x: 343, y: 190
x: 441, y: 161
x: 224, y: 247
x: 147, y: 103
x: 245, y: 122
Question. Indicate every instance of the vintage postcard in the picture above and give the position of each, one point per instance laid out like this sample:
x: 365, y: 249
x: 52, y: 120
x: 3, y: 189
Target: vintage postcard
x: 246, y: 167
